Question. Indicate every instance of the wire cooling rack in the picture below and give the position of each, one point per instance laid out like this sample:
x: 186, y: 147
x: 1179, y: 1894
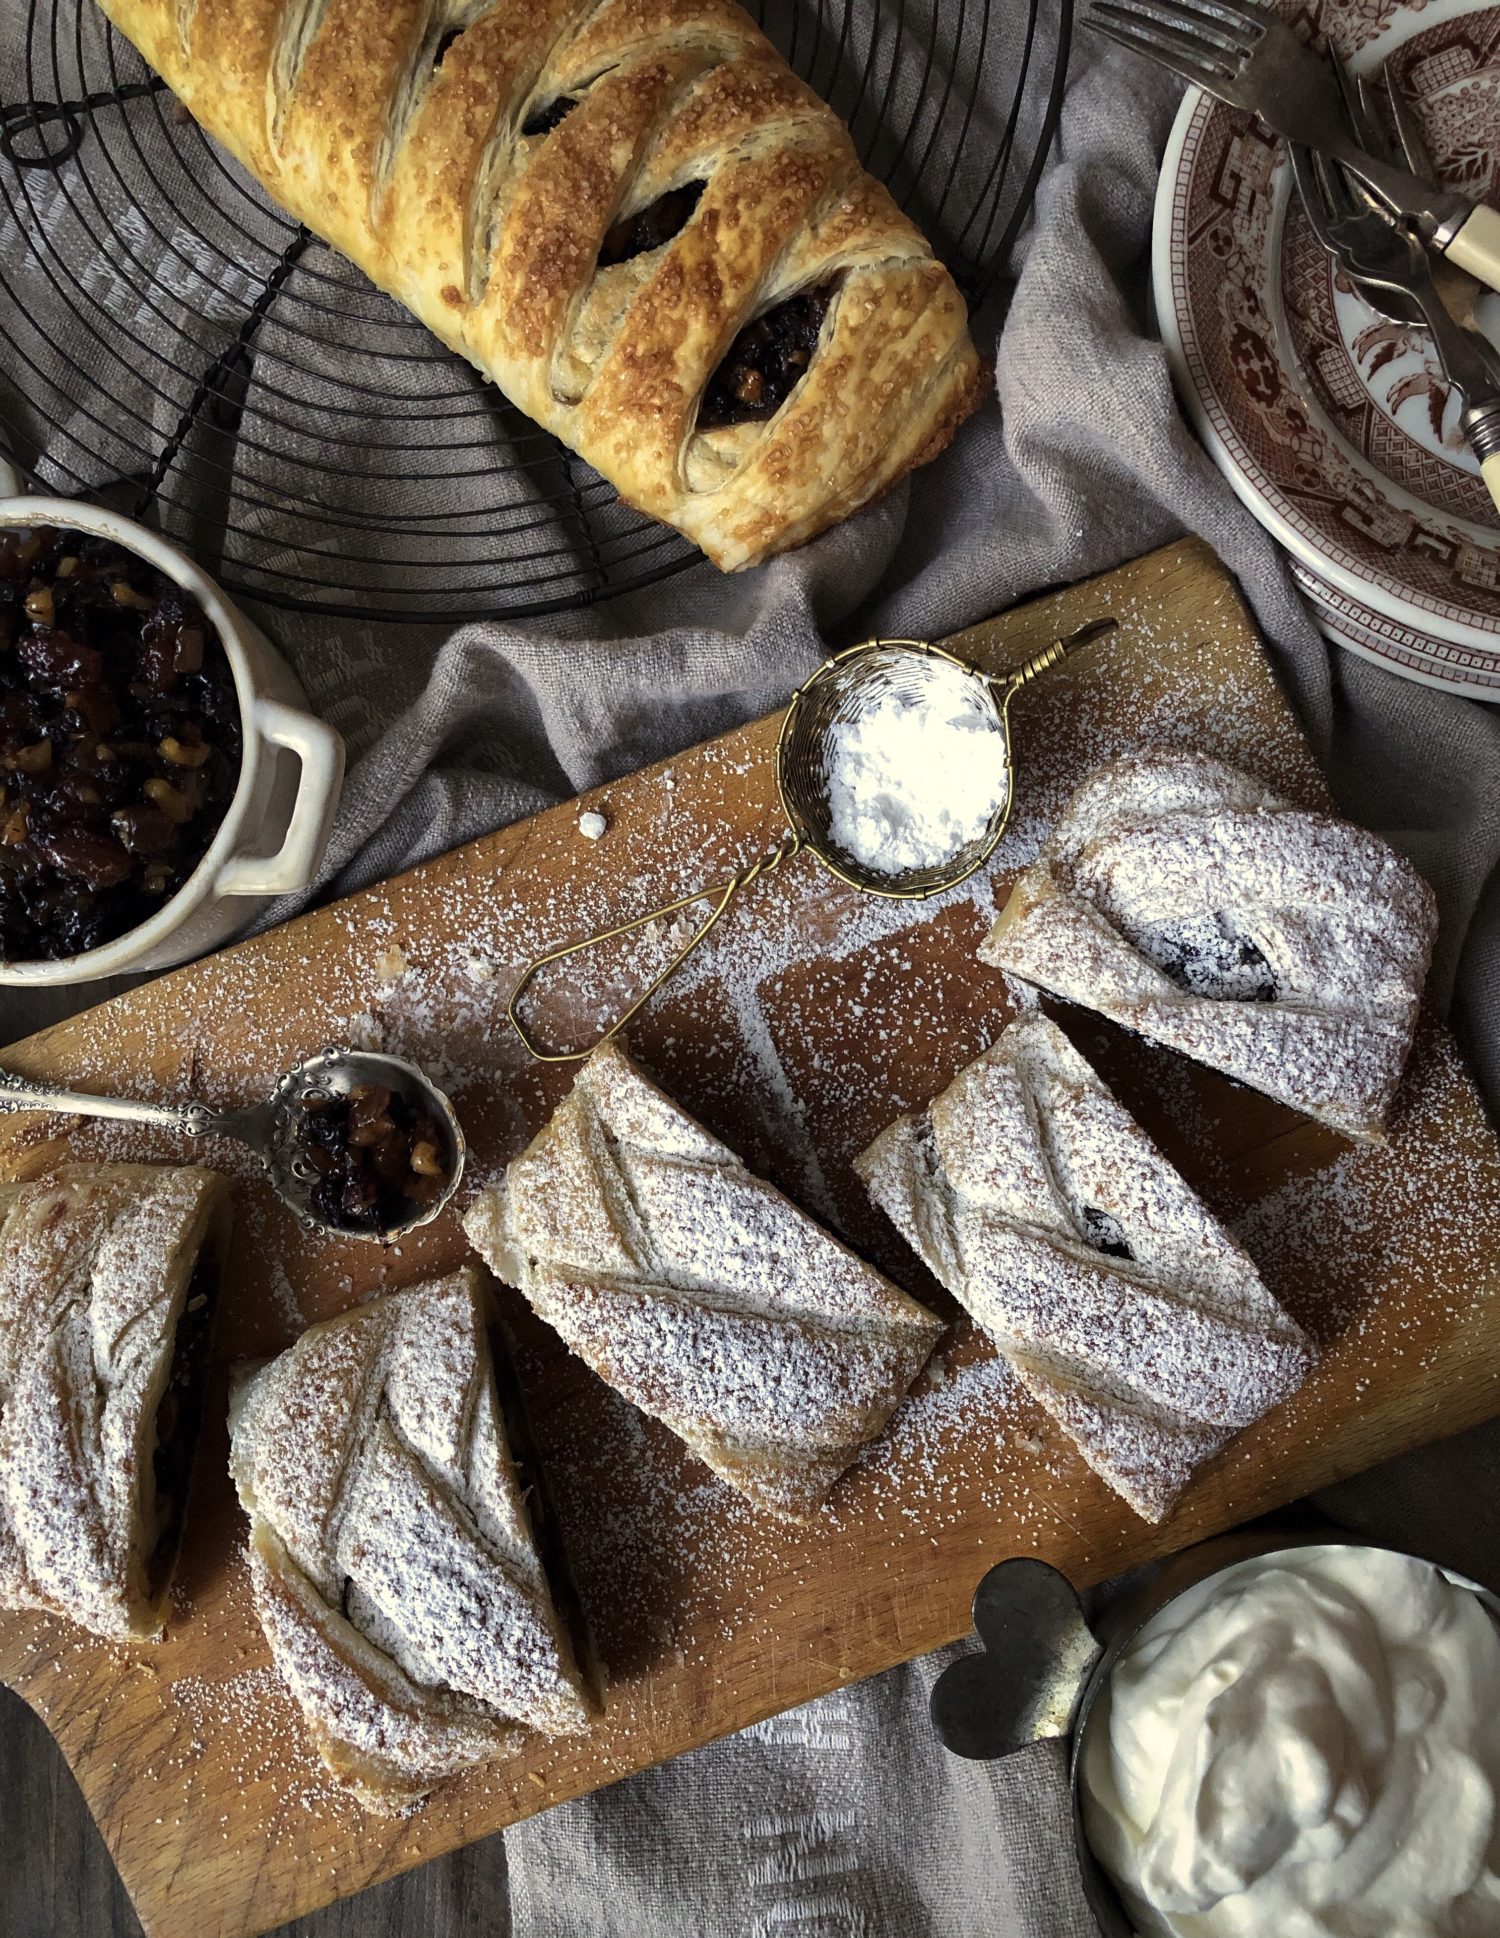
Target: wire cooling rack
x: 179, y: 346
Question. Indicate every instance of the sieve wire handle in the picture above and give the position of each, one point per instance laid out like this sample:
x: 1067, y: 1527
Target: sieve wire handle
x: 1009, y: 684
x: 723, y: 893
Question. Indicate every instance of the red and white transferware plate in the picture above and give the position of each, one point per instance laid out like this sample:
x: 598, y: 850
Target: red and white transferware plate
x: 1333, y: 424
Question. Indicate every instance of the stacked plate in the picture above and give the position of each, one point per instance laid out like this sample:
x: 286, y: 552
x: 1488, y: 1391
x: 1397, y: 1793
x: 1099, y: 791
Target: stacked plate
x: 1332, y: 423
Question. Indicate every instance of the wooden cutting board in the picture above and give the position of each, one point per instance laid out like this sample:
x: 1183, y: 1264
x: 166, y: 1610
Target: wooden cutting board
x: 815, y: 1016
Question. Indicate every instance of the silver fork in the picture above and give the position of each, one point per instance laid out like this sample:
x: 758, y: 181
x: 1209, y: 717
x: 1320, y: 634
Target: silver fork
x: 1458, y: 289
x: 1388, y: 260
x: 1246, y: 55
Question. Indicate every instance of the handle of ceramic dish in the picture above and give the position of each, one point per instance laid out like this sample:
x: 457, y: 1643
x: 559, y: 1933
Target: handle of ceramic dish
x: 1476, y: 247
x: 320, y: 754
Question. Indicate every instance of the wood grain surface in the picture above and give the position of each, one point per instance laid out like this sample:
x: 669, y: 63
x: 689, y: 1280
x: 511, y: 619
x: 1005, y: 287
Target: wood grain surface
x: 815, y: 1016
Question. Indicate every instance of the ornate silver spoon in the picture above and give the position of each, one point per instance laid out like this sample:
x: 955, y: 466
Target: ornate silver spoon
x: 275, y: 1129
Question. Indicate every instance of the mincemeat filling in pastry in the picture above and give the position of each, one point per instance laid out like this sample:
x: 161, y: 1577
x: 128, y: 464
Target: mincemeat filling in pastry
x: 179, y: 1417
x: 1124, y: 1306
x: 1192, y: 904
x: 108, y: 1276
x: 631, y: 216
x: 700, y: 1292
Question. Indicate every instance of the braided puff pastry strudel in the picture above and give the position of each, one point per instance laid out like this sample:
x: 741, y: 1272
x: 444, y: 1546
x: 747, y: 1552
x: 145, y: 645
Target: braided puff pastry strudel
x: 699, y: 1292
x: 632, y: 216
x: 1124, y: 1306
x: 395, y: 1569
x: 1190, y: 903
x: 108, y: 1275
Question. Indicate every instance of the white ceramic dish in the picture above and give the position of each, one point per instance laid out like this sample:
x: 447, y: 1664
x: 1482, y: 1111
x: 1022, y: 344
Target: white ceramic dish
x: 1333, y: 425
x: 276, y: 828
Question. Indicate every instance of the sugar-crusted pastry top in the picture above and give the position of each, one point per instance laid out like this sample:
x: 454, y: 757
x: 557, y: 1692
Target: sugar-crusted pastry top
x: 1188, y: 902
x: 394, y: 1565
x: 593, y: 202
x: 95, y: 1270
x: 1127, y: 1309
x: 699, y: 1291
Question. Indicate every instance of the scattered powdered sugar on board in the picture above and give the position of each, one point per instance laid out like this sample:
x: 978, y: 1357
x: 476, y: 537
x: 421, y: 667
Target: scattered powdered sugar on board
x: 268, y: 1753
x: 1403, y: 1212
x: 284, y: 1298
x: 810, y: 1017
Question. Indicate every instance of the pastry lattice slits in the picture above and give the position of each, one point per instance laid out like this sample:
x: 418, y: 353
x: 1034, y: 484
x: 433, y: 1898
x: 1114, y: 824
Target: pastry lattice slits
x: 1192, y: 904
x: 1125, y: 1307
x: 700, y: 1292
x: 102, y: 1368
x: 607, y: 208
x: 395, y: 1570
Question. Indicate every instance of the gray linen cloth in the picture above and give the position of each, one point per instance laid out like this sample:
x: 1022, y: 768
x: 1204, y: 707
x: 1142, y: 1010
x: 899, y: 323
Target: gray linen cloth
x: 844, y: 1817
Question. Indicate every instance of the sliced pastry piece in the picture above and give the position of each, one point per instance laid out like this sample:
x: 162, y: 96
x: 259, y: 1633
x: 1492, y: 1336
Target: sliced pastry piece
x: 630, y: 215
x: 1122, y: 1303
x: 1193, y: 905
x: 395, y: 1567
x: 700, y: 1292
x: 108, y: 1278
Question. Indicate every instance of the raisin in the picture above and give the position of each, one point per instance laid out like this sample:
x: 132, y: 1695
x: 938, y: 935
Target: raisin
x: 91, y: 858
x: 765, y: 362
x: 120, y: 740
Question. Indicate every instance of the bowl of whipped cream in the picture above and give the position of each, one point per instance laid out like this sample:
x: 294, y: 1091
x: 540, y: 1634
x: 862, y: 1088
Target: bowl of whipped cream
x: 1284, y: 1737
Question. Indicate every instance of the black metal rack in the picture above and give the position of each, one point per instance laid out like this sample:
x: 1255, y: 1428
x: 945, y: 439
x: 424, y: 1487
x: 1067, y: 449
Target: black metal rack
x: 177, y: 344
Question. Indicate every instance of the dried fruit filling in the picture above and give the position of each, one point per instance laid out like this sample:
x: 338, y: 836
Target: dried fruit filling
x: 120, y: 741
x: 380, y: 1158
x: 766, y: 362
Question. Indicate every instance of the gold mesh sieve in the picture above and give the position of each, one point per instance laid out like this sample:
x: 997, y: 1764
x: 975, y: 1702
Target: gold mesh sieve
x: 843, y: 689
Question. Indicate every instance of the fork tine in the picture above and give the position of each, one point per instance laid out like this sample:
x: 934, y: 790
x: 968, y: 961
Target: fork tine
x: 1311, y: 191
x: 1371, y: 130
x: 1333, y: 190
x: 1346, y: 85
x: 1192, y: 61
x: 1409, y: 135
x: 1356, y: 107
x: 1189, y: 20
x: 1245, y: 12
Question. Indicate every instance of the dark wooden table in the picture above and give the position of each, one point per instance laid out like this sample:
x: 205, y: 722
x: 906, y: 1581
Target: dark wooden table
x: 56, y: 1877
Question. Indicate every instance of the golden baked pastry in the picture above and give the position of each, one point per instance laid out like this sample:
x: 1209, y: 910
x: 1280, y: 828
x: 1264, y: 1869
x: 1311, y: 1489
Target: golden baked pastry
x: 395, y: 1569
x: 632, y: 217
x: 1122, y: 1303
x: 700, y: 1292
x: 108, y: 1275
x: 1192, y: 904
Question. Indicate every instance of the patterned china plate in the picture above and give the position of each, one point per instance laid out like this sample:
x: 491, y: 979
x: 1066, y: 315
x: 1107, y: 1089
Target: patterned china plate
x: 1333, y: 424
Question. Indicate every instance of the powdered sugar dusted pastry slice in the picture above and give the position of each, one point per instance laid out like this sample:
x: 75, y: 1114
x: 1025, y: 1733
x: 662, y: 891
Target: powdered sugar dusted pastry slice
x: 1191, y: 904
x: 1124, y: 1305
x: 108, y: 1275
x: 700, y: 1292
x: 395, y: 1569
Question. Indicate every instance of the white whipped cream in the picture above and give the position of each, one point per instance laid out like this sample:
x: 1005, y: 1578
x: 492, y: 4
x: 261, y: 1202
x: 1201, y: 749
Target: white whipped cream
x: 1306, y: 1744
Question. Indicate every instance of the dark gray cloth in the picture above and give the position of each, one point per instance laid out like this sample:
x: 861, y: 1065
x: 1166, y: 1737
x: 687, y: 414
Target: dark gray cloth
x: 844, y: 1817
